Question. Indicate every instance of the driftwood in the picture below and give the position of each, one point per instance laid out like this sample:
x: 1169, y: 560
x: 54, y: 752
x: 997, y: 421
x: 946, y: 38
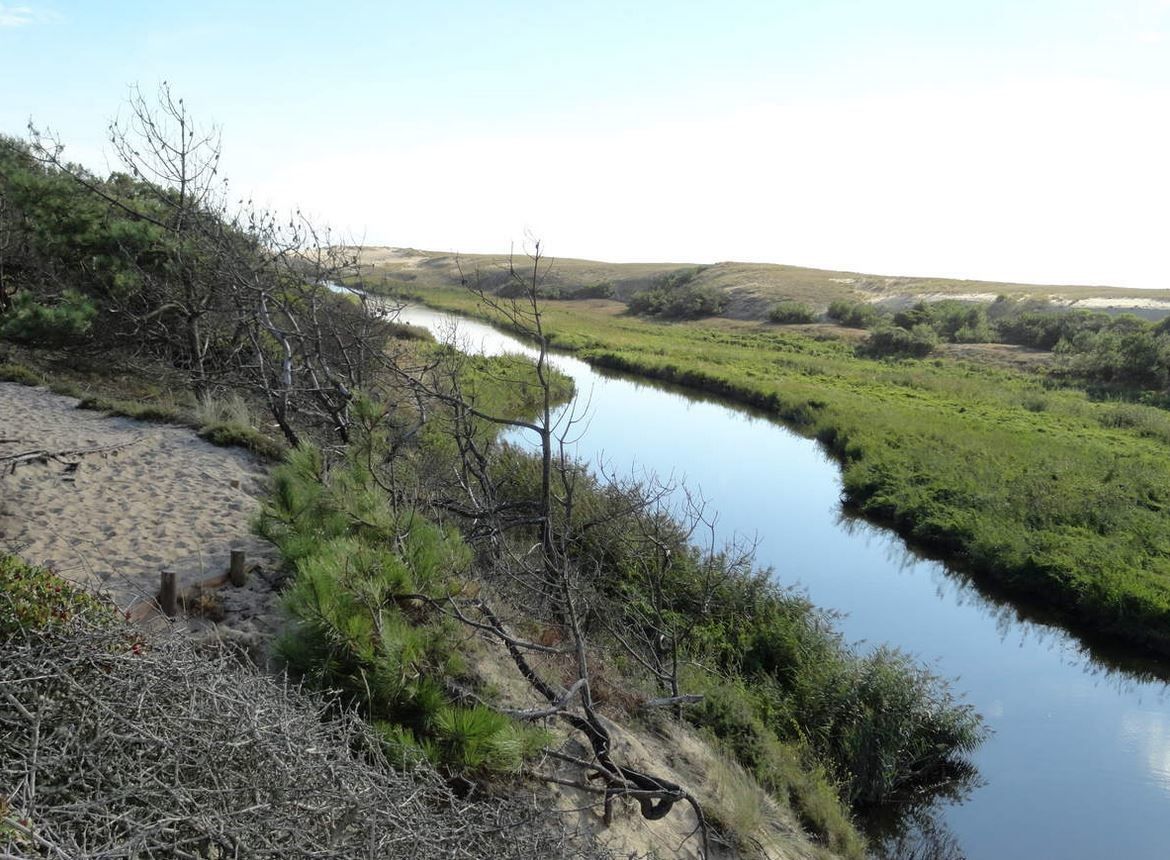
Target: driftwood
x: 64, y: 456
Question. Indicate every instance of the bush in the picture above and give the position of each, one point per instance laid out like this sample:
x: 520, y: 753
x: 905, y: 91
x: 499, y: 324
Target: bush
x: 853, y: 314
x: 675, y: 296
x: 791, y: 313
x: 358, y: 630
x: 952, y: 321
x: 12, y: 372
x: 600, y: 290
x: 48, y: 325
x: 34, y: 599
x: 892, y: 341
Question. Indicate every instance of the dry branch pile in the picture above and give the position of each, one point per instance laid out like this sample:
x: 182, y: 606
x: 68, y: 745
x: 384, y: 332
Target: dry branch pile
x: 161, y: 750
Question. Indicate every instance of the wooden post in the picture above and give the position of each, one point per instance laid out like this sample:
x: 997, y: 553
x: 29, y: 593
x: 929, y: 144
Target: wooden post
x: 168, y: 594
x: 237, y: 573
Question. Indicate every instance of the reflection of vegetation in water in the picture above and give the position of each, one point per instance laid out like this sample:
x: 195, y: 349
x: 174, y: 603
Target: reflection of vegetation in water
x: 1098, y: 655
x: 916, y: 830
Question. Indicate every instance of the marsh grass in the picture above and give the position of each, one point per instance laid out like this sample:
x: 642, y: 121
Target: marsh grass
x: 227, y: 420
x: 1043, y: 490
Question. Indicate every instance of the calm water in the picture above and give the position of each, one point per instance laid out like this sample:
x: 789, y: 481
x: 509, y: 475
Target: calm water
x: 1079, y: 764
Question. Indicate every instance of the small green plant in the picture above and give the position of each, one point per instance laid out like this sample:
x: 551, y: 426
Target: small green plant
x: 164, y: 412
x: 227, y: 421
x: 34, y: 599
x: 229, y: 410
x: 12, y: 372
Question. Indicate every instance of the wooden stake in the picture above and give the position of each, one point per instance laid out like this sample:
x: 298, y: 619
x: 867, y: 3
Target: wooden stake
x: 237, y: 572
x: 168, y: 594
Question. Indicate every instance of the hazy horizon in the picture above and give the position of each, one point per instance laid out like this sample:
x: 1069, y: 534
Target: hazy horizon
x: 999, y: 141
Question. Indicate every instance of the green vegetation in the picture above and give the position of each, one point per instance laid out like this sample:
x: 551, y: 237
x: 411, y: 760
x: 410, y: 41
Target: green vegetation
x: 1043, y: 490
x: 36, y: 600
x: 676, y: 296
x: 361, y: 626
x: 791, y: 313
x: 29, y: 321
x: 411, y: 516
x: 892, y: 340
x: 853, y: 314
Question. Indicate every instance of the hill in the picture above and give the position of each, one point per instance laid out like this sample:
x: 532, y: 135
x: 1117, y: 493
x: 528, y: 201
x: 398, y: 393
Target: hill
x: 751, y: 288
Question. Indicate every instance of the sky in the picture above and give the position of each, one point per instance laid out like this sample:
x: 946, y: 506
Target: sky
x: 1021, y: 140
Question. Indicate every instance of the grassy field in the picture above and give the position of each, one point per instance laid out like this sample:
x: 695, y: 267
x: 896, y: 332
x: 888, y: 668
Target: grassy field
x: 1041, y: 490
x: 752, y: 288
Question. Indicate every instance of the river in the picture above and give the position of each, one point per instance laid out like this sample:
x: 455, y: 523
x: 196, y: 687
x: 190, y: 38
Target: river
x: 1079, y: 762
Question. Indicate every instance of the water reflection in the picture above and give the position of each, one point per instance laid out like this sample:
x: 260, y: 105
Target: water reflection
x: 1014, y: 615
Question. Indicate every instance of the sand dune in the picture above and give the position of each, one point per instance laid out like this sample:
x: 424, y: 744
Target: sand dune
x: 167, y: 500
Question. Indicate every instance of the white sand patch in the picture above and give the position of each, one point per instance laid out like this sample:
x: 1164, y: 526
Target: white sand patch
x: 1144, y: 304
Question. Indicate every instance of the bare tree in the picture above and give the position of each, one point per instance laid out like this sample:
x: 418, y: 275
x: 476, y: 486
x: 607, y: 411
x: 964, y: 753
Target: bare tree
x: 233, y: 294
x: 179, y: 199
x: 549, y: 580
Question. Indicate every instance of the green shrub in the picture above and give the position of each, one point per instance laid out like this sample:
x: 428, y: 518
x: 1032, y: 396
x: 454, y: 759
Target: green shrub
x: 892, y: 341
x: 139, y: 410
x: 853, y: 314
x: 600, y: 290
x: 243, y: 436
x: 58, y: 324
x: 34, y: 599
x: 730, y: 713
x: 359, y: 626
x: 12, y: 372
x: 953, y: 321
x: 790, y: 313
x: 675, y: 296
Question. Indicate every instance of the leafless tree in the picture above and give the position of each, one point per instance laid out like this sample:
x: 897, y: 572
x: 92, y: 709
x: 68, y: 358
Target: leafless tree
x: 176, y: 195
x: 232, y: 293
x: 549, y: 580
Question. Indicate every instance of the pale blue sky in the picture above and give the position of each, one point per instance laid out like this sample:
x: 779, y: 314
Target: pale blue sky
x: 1009, y: 140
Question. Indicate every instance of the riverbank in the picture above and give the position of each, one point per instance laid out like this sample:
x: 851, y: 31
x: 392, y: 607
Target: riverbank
x: 1051, y: 496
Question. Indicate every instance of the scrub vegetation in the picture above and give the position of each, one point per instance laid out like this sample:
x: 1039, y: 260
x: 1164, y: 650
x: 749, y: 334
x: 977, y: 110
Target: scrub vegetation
x: 1053, y: 491
x: 420, y: 543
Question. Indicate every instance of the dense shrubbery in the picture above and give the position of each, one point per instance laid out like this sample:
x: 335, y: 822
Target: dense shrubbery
x: 600, y: 290
x: 791, y: 313
x: 891, y: 340
x: 853, y: 314
x: 676, y: 296
x: 951, y: 321
x: 361, y: 627
x: 63, y: 321
x: 1121, y: 350
x: 879, y: 724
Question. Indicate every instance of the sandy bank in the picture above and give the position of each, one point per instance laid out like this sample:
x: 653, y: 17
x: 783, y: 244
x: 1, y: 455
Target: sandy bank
x: 112, y: 522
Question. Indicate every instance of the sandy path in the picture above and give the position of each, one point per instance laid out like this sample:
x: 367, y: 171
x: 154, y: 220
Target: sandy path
x: 167, y: 501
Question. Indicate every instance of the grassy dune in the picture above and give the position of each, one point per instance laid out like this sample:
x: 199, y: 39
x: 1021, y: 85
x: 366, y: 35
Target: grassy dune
x: 1041, y: 490
x: 752, y: 288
